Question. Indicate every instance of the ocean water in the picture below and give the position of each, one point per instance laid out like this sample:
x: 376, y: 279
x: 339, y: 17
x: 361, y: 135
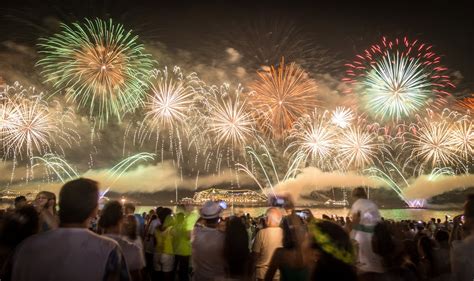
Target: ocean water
x: 394, y: 214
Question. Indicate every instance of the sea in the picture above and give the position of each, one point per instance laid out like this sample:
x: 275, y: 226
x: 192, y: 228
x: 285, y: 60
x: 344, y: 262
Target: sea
x: 393, y: 214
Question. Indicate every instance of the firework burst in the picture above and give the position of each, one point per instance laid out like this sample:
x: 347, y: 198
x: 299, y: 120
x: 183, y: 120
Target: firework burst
x: 32, y: 126
x: 169, y: 110
x: 230, y: 119
x: 357, y: 147
x: 466, y: 104
x: 342, y: 116
x: 314, y: 139
x: 432, y: 142
x: 171, y: 99
x: 281, y: 96
x: 462, y: 137
x: 395, y: 79
x: 101, y: 66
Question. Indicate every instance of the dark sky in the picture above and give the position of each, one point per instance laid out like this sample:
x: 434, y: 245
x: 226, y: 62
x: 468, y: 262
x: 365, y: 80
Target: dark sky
x: 342, y: 26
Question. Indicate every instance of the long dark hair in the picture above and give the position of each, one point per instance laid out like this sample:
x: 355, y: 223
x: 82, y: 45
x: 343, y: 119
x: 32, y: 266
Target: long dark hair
x: 236, y: 248
x: 328, y: 267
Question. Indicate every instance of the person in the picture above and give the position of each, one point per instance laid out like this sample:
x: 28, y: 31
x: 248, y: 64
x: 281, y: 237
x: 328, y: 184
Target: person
x: 426, y: 265
x: 236, y: 250
x: 71, y: 252
x: 14, y: 228
x: 395, y: 261
x: 295, y: 258
x: 462, y: 252
x: 46, y: 206
x: 163, y: 259
x: 266, y: 242
x: 111, y: 221
x: 130, y: 210
x: 130, y: 233
x: 333, y: 254
x: 441, y: 256
x: 365, y: 215
x: 149, y: 242
x: 208, y: 244
x: 185, y: 221
x: 20, y: 202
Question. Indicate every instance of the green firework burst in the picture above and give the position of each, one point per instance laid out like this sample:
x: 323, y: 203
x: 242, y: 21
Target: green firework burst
x: 100, y: 65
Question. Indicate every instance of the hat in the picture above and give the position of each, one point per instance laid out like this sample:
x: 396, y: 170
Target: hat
x: 210, y: 210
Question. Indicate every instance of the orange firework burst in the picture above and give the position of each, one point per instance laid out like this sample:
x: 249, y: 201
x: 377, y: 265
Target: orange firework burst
x: 280, y: 96
x: 466, y: 103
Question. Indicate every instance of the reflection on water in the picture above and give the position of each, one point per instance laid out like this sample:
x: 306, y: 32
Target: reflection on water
x: 395, y: 214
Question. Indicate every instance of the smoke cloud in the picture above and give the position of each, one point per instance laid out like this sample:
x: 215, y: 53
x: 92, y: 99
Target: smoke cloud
x: 313, y: 179
x: 423, y: 187
x: 150, y: 178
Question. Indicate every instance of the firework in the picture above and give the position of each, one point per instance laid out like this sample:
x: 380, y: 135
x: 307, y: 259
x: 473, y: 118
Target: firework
x: 395, y: 79
x: 171, y: 99
x: 432, y: 143
x: 281, y: 96
x: 466, y: 104
x: 342, y: 116
x: 169, y: 104
x: 230, y: 119
x: 30, y: 128
x: 357, y: 147
x: 462, y: 137
x: 31, y: 125
x: 101, y: 66
x: 7, y: 111
x: 58, y: 165
x: 314, y: 138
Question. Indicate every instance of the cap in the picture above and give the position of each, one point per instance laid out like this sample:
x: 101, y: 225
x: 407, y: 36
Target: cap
x: 210, y: 210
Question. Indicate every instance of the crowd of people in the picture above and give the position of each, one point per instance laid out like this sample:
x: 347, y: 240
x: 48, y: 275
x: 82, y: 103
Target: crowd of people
x: 80, y: 242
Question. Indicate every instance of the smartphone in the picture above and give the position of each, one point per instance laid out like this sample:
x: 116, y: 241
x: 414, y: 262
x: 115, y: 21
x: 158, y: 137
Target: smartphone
x: 223, y: 204
x: 277, y: 201
x: 302, y: 214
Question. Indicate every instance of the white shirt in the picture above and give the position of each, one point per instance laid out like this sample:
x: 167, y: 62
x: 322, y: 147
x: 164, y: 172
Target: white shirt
x: 368, y: 261
x: 369, y: 212
x: 266, y: 242
x: 149, y: 236
x: 462, y: 259
x: 208, y: 254
x: 133, y: 253
x: 63, y: 254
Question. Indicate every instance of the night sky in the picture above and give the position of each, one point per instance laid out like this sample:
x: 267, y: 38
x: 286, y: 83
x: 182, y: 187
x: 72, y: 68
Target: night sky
x: 197, y: 35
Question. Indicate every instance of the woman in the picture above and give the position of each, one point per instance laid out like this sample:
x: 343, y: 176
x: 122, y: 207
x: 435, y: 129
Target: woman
x: 334, y: 254
x: 426, y: 265
x: 236, y: 250
x: 163, y: 259
x: 111, y: 221
x: 14, y: 228
x: 130, y: 232
x: 295, y: 259
x: 45, y: 202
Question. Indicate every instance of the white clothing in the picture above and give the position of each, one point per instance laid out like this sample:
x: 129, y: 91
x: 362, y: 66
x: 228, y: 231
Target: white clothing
x: 133, y: 254
x: 150, y: 236
x: 63, y: 254
x: 265, y: 244
x: 163, y: 262
x: 368, y: 261
x: 462, y: 259
x: 369, y: 212
x: 207, y: 254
